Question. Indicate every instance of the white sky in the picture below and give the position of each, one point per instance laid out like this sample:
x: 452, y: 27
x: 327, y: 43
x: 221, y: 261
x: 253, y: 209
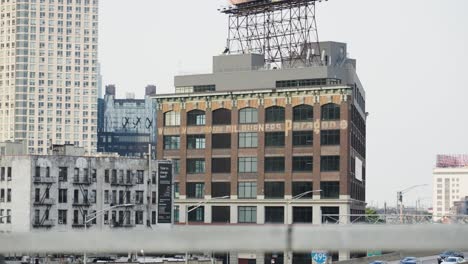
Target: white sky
x: 412, y: 60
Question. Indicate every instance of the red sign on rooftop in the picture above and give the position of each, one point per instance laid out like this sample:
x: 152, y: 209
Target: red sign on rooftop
x: 452, y: 161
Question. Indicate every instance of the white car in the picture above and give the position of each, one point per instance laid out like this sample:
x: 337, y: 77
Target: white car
x: 453, y: 260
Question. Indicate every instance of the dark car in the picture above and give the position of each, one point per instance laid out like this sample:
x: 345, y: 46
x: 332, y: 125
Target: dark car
x: 447, y: 254
x: 378, y: 262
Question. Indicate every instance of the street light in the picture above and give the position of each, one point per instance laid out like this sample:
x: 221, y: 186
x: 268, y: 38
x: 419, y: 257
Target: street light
x: 95, y: 215
x: 400, y: 198
x: 193, y: 209
x: 288, y: 202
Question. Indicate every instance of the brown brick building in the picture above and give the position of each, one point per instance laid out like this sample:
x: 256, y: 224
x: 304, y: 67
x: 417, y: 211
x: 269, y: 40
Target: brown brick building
x: 246, y: 154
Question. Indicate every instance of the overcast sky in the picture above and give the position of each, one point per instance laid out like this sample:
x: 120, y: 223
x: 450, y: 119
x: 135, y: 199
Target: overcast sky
x: 411, y: 56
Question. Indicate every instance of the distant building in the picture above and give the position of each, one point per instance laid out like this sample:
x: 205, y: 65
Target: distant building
x: 127, y: 126
x: 461, y: 207
x: 450, y: 179
x: 49, y: 73
x: 57, y: 191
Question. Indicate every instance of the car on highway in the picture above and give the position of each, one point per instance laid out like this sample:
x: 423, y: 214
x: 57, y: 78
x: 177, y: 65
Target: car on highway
x: 410, y: 260
x: 453, y: 260
x: 378, y: 262
x: 447, y: 254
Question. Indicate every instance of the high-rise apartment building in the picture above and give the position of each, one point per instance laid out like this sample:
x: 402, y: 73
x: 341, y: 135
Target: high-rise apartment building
x: 49, y: 72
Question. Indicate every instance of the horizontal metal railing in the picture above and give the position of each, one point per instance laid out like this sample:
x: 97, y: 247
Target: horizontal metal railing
x: 265, y: 238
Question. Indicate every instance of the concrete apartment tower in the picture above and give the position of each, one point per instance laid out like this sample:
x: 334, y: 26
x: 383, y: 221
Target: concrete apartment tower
x: 49, y: 73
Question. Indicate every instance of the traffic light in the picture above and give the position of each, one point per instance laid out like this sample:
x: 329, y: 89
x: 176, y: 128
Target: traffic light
x: 400, y: 197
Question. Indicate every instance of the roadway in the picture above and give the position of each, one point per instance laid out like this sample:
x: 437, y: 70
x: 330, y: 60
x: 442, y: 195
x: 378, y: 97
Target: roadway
x: 426, y: 260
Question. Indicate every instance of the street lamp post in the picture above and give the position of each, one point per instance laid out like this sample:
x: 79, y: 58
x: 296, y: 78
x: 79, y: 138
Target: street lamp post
x: 187, y: 211
x: 288, y: 203
x: 95, y: 215
x: 400, y: 198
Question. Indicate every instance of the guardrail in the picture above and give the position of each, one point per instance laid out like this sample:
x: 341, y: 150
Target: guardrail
x: 264, y: 238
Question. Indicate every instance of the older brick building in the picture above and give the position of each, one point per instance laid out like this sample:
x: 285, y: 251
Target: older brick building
x: 290, y: 153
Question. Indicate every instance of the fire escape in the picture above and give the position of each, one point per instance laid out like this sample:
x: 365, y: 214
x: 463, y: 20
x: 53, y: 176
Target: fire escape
x: 124, y: 197
x: 44, y: 201
x: 83, y: 183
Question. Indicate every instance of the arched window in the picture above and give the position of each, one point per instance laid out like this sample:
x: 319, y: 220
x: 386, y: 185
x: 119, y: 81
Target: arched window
x: 248, y: 116
x: 222, y: 116
x: 331, y: 112
x: 303, y: 113
x: 172, y: 118
x: 196, y: 118
x: 274, y: 114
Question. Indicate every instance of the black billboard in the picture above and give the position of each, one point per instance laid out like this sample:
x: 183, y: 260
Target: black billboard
x: 165, y: 193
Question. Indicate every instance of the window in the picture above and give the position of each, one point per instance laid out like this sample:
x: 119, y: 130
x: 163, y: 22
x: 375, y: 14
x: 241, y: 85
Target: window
x: 274, y: 139
x: 274, y: 114
x: 274, y: 214
x: 248, y: 116
x: 329, y: 163
x: 176, y: 164
x: 172, y: 119
x: 106, y: 197
x: 330, y: 112
x: 196, y: 215
x: 63, y: 196
x: 153, y: 217
x: 153, y: 197
x: 195, y: 190
x: 139, y: 217
x: 302, y: 164
x: 330, y: 137
x: 106, y: 176
x: 171, y: 142
x: 302, y: 214
x: 2, y: 174
x: 195, y: 166
x: 303, y: 138
x: 2, y: 195
x: 1, y: 214
x: 247, y: 164
x: 302, y: 113
x: 196, y: 118
x: 221, y: 165
x: 176, y: 214
x: 9, y: 173
x: 221, y: 116
x: 220, y: 189
x: 221, y: 141
x: 62, y: 217
x: 247, y: 190
x: 248, y: 140
x: 330, y: 190
x: 274, y: 190
x: 38, y: 171
x: 330, y: 214
x: 298, y: 188
x: 63, y: 174
x: 220, y: 214
x: 196, y: 141
x: 274, y: 164
x: 139, y: 197
x: 8, y: 195
x: 247, y: 214
x: 140, y: 177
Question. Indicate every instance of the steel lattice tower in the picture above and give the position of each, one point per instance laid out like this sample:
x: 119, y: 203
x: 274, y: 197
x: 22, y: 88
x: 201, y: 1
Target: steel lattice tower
x: 285, y: 31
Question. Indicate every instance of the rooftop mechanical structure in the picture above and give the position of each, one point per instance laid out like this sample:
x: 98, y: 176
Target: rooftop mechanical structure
x: 284, y: 30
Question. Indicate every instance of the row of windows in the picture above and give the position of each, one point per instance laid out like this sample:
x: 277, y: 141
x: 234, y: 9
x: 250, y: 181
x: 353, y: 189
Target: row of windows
x: 87, y: 175
x: 273, y: 214
x: 250, y: 140
x: 271, y: 164
x: 274, y: 114
x: 90, y: 196
x: 272, y: 190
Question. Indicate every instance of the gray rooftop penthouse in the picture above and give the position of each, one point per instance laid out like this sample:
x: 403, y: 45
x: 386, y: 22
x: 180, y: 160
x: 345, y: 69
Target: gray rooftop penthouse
x: 250, y: 72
